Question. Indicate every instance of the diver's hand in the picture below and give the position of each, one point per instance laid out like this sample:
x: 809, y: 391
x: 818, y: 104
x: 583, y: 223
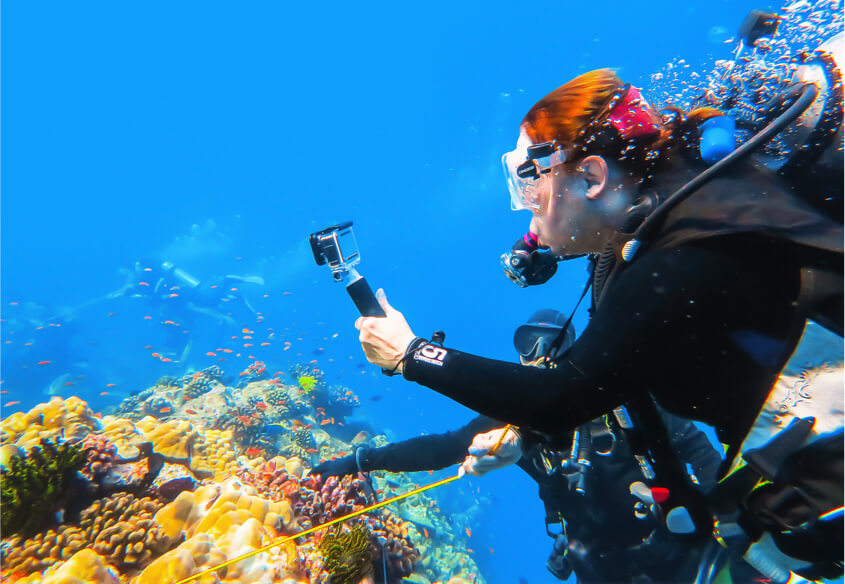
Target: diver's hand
x: 480, y: 460
x: 336, y: 468
x: 384, y: 338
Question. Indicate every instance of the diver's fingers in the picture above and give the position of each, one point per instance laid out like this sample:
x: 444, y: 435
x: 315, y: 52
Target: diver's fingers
x: 382, y: 300
x: 475, y: 450
x: 359, y: 322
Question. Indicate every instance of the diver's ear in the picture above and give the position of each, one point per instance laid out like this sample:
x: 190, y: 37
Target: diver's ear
x: 594, y: 169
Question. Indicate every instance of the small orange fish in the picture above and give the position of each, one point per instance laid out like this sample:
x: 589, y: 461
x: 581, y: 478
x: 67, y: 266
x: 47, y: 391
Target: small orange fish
x: 211, y: 354
x: 431, y: 472
x: 174, y: 295
x: 325, y: 422
x: 425, y: 532
x: 243, y: 373
x: 491, y: 551
x: 11, y: 403
x: 169, y: 322
x: 44, y: 362
x: 143, y: 283
x: 264, y: 344
x: 104, y: 393
x: 148, y: 318
x: 213, y: 287
x: 148, y: 269
x: 69, y: 384
x: 247, y: 336
x: 4, y: 392
x: 110, y: 385
x: 311, y: 450
x: 261, y: 406
x: 13, y: 303
x: 156, y: 355
x: 244, y: 419
x: 148, y: 347
x: 469, y: 532
x: 470, y: 550
x: 166, y: 360
x: 233, y: 289
x: 247, y: 344
x: 252, y: 452
x: 190, y: 411
x: 350, y: 392
x: 165, y: 410
x: 227, y: 350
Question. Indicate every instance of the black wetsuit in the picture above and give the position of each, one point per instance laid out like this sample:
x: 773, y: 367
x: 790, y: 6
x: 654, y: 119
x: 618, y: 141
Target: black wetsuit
x: 703, y: 319
x: 605, y: 538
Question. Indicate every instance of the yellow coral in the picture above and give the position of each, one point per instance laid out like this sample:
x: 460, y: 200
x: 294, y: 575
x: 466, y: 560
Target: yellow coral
x: 192, y: 556
x: 123, y: 434
x: 174, y: 438
x: 224, y: 519
x: 84, y: 567
x: 66, y: 418
x: 213, y: 452
x: 216, y: 508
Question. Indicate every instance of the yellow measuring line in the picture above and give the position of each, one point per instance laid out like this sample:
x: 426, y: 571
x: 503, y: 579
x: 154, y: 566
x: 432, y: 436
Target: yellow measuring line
x: 501, y: 438
x: 310, y: 530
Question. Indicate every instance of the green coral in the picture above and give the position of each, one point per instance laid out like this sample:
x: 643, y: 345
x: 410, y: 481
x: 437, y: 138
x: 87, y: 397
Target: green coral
x: 34, y: 486
x: 307, y: 382
x: 347, y: 557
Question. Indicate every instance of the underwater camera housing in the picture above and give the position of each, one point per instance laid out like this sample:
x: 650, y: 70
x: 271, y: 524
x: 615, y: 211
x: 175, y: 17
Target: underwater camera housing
x: 336, y: 246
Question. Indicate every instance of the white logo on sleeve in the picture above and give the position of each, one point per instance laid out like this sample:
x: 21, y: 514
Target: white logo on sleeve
x: 431, y: 354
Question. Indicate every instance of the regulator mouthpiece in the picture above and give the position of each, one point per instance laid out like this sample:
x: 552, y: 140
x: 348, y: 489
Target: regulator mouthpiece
x: 526, y: 264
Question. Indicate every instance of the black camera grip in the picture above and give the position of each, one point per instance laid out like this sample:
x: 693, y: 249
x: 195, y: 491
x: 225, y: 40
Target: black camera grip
x: 364, y: 299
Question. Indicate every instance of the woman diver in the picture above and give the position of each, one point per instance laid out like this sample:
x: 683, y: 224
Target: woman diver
x: 704, y: 280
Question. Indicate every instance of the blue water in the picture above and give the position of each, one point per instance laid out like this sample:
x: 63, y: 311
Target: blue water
x: 217, y: 136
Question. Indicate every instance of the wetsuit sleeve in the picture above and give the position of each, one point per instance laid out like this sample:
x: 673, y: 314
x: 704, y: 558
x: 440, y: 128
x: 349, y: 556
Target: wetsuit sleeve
x: 665, y: 320
x: 431, y: 452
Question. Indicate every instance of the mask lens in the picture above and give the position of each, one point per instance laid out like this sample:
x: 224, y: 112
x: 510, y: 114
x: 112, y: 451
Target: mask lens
x: 524, y: 176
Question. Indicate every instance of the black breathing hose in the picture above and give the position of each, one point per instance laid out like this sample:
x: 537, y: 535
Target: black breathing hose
x: 808, y: 94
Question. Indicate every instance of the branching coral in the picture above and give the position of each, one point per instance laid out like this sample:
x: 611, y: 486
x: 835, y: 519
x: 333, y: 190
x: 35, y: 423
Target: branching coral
x: 120, y: 528
x: 33, y: 487
x: 347, y: 557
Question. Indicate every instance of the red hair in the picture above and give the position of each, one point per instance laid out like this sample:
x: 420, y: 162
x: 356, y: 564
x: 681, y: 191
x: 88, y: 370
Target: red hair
x: 574, y: 113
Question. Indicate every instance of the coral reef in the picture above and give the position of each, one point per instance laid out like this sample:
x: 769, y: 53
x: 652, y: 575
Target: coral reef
x: 347, y: 556
x: 161, y: 497
x: 120, y: 528
x: 84, y: 567
x: 34, y: 487
x: 100, y: 458
x: 66, y: 419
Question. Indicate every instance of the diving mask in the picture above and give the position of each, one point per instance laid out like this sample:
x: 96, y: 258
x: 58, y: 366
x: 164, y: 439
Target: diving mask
x: 526, y: 168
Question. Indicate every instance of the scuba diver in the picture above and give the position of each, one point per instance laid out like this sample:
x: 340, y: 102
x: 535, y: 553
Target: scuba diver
x: 603, y: 532
x: 180, y: 297
x: 709, y: 274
